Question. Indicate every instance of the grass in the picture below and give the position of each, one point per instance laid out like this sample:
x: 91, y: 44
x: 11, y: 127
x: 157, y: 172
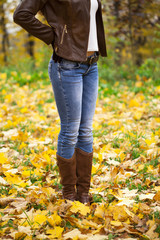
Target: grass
x: 121, y: 133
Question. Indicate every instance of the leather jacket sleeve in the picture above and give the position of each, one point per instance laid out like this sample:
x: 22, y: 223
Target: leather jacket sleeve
x: 24, y: 15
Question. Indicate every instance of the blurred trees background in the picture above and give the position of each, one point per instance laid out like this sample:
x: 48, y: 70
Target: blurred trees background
x: 133, y: 28
x: 132, y: 35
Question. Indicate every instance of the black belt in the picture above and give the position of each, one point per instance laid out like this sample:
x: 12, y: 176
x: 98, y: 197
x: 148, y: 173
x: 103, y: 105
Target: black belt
x: 92, y: 59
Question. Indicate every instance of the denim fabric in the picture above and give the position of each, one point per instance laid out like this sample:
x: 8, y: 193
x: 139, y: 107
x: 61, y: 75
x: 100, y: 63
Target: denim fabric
x: 75, y: 87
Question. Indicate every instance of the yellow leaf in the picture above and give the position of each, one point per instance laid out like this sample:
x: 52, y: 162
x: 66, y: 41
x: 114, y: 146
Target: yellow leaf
x: 140, y: 215
x: 19, y: 235
x: 76, y: 238
x: 116, y: 223
x: 150, y: 223
x: 23, y: 145
x: 95, y: 168
x: 137, y: 115
x: 138, y: 84
x: 24, y: 110
x: 89, y: 223
x: 3, y: 92
x: 157, y: 89
x: 122, y: 156
x: 138, y: 78
x: 131, y: 134
x: 134, y: 103
x: 39, y: 218
x: 56, y: 232
x: 142, y: 97
x: 150, y: 168
x: 48, y: 190
x: 157, y: 196
x: 119, y: 213
x: 100, y: 211
x: 9, y: 124
x: 100, y: 157
x: 14, y: 179
x: 114, y: 122
x: 116, y: 84
x: 96, y: 125
x: 117, y: 150
x: 8, y: 98
x: 157, y: 119
x: 79, y: 207
x: 13, y: 73
x: 3, y: 159
x: 26, y: 173
x: 3, y: 76
x: 149, y: 141
x: 28, y: 238
x: 140, y: 167
x: 47, y: 158
x: 157, y: 188
x: 54, y: 219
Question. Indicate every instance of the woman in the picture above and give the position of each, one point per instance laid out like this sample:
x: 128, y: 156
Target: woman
x: 77, y: 37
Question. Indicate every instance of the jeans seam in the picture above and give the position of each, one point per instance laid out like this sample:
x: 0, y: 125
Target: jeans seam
x: 59, y: 73
x: 50, y: 69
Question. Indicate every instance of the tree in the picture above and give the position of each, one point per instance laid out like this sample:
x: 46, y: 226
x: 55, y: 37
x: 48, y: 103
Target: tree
x: 135, y: 25
x: 4, y: 32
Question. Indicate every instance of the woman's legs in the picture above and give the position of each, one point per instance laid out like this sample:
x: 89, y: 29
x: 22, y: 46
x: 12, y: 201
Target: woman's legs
x: 84, y: 145
x: 75, y: 89
x: 67, y: 86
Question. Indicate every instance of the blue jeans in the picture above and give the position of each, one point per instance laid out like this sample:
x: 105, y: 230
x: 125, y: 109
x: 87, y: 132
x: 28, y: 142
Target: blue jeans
x: 75, y: 87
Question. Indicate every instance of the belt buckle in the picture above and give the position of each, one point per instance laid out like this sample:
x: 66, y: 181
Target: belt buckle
x: 90, y: 60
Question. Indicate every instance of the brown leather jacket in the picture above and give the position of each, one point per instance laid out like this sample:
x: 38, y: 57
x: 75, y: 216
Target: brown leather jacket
x: 69, y: 21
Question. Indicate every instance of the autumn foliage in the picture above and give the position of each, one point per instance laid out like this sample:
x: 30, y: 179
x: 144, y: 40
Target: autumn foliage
x: 126, y: 166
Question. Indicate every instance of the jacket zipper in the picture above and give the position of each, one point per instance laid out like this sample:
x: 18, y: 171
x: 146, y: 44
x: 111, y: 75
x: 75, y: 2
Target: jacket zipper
x: 64, y: 31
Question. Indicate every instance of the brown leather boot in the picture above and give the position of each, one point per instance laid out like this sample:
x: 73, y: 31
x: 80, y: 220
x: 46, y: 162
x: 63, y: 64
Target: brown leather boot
x: 83, y: 170
x: 67, y: 171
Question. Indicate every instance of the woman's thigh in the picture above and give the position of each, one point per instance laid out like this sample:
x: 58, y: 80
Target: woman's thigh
x: 90, y: 94
x: 67, y: 85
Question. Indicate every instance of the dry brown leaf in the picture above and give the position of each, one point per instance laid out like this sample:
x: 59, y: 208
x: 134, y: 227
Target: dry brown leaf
x: 151, y: 233
x: 157, y: 197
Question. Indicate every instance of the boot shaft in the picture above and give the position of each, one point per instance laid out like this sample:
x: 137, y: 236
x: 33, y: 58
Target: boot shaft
x: 83, y: 170
x: 67, y: 171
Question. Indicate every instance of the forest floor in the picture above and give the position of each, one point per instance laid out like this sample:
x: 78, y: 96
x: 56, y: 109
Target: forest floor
x: 126, y: 167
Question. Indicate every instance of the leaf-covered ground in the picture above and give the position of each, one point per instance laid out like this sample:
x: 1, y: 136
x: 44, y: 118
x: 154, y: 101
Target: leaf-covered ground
x: 126, y: 166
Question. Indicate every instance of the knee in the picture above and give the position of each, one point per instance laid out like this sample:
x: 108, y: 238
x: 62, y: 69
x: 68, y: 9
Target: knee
x: 69, y: 136
x: 85, y: 128
x: 86, y: 133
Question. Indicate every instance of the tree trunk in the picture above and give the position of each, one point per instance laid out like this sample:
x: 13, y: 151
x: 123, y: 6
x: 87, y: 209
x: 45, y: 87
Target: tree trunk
x: 119, y: 45
x: 30, y: 47
x: 5, y: 36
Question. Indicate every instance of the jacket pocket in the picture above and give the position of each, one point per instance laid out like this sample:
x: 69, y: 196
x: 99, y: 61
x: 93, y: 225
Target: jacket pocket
x: 63, y: 32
